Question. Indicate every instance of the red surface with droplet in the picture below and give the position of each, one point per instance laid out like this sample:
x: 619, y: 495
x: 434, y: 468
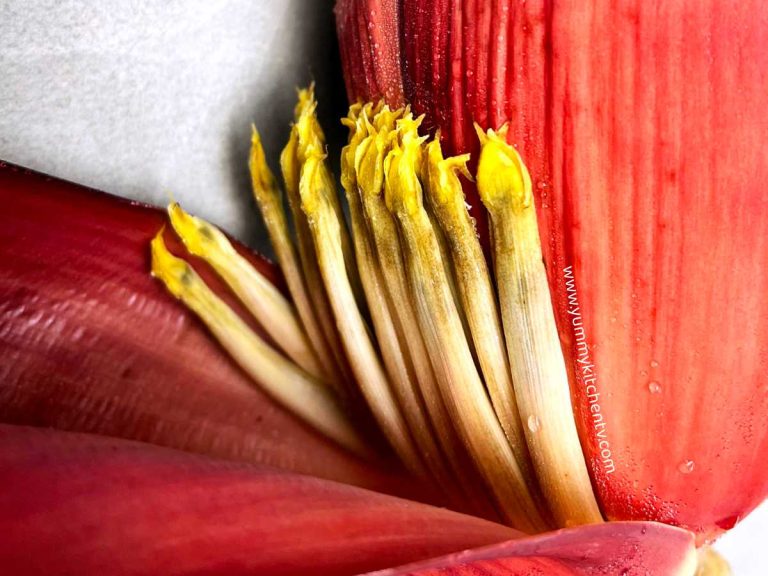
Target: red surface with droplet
x: 643, y: 125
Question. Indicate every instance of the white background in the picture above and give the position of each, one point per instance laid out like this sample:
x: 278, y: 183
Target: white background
x: 143, y: 98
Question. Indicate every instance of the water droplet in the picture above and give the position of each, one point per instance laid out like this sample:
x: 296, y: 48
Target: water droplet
x: 654, y: 387
x: 686, y: 466
x: 533, y: 423
x: 654, y: 364
x: 613, y: 319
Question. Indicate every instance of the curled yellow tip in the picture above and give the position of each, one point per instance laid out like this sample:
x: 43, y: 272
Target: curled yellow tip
x: 353, y: 113
x: 310, y: 135
x: 359, y: 131
x: 501, y: 174
x: 386, y: 118
x: 315, y: 184
x: 402, y: 187
x: 199, y: 237
x: 442, y: 173
x: 261, y: 176
x: 369, y: 165
x: 311, y: 138
x: 306, y: 99
x: 408, y: 126
x: 174, y: 272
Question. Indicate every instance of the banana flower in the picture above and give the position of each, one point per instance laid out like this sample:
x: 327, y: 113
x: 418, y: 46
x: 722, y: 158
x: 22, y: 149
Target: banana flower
x: 534, y: 345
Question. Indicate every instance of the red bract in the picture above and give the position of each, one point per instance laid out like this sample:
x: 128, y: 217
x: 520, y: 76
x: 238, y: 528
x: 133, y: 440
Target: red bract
x: 91, y: 343
x: 80, y: 504
x: 643, y: 127
x: 615, y: 548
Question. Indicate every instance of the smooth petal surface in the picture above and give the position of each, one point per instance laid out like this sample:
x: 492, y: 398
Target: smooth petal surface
x: 80, y: 504
x: 643, y: 125
x: 90, y: 342
x: 625, y: 548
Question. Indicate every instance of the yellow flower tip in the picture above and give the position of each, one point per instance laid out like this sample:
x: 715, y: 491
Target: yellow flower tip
x: 501, y: 174
x: 483, y: 135
x: 408, y: 126
x: 309, y: 133
x: 315, y: 184
x: 311, y: 137
x: 385, y: 119
x: 442, y: 173
x: 371, y: 109
x: 365, y: 126
x: 349, y: 122
x: 402, y: 188
x: 198, y: 236
x: 369, y: 165
x: 174, y: 272
x: 261, y: 175
x: 289, y: 161
x: 355, y: 110
x: 305, y: 99
x: 358, y: 133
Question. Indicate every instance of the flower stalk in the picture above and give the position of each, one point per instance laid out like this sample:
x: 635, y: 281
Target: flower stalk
x: 286, y: 382
x: 536, y: 357
x: 315, y: 189
x: 268, y: 306
x: 369, y: 155
x: 478, y: 297
x: 440, y: 322
x: 270, y: 202
x: 467, y: 385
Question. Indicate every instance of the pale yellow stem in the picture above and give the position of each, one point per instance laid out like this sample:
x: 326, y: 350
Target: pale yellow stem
x: 270, y: 202
x: 535, y: 355
x: 268, y: 306
x: 291, y: 169
x: 397, y: 359
x: 478, y: 297
x: 369, y: 374
x: 459, y: 381
x: 279, y: 377
x: 382, y: 227
x: 311, y: 138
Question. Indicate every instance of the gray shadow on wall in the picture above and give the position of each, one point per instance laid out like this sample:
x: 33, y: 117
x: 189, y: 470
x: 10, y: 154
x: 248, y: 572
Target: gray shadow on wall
x: 313, y: 57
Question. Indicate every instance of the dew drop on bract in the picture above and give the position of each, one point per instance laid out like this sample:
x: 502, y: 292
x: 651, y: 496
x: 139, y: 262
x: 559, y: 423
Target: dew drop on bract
x: 654, y: 387
x: 533, y: 423
x: 654, y: 364
x: 686, y: 466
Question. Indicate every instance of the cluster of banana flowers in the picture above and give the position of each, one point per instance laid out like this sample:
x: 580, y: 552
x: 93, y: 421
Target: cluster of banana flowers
x: 435, y: 374
x: 435, y: 351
